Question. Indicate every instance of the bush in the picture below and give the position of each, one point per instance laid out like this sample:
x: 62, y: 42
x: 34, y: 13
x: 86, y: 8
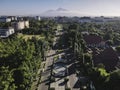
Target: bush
x: 118, y: 49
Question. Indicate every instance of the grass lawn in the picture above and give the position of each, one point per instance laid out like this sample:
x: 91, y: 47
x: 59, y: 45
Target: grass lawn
x: 25, y: 36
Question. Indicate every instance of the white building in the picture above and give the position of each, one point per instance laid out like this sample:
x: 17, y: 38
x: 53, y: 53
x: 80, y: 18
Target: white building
x: 5, y: 32
x: 26, y: 23
x: 5, y: 19
x: 13, y: 18
x: 37, y: 18
x: 21, y: 25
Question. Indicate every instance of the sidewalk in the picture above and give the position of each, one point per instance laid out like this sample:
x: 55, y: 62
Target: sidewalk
x: 72, y: 81
x: 58, y: 84
x: 46, y: 74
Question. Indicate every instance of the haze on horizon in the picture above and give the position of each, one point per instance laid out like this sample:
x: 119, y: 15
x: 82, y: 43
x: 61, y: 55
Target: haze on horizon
x: 83, y: 7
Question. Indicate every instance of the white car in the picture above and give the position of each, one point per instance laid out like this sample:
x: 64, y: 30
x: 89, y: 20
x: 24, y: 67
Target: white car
x: 59, y: 70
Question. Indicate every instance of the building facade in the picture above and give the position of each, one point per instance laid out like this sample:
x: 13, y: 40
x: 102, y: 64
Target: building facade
x: 37, y: 18
x: 20, y: 25
x: 26, y: 24
x: 5, y: 32
x: 5, y: 19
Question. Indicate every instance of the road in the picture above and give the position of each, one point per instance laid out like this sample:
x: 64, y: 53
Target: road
x: 45, y: 79
x: 73, y: 79
x: 73, y: 82
x: 45, y: 76
x: 46, y: 72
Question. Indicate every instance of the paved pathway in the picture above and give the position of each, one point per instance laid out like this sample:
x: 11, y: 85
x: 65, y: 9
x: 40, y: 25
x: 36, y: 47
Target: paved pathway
x: 45, y: 77
x: 58, y: 84
x: 73, y: 79
x: 46, y: 74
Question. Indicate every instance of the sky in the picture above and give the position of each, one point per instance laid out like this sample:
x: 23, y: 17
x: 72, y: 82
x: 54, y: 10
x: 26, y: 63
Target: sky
x: 86, y: 7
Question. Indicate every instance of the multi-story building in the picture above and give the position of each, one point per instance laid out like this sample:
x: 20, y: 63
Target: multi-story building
x: 20, y: 25
x: 5, y: 32
x: 13, y: 18
x: 5, y: 19
x: 37, y: 18
x: 26, y: 23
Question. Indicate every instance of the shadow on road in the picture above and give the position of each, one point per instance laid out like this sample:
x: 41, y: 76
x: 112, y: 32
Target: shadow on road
x: 62, y: 84
x: 54, y: 54
x: 44, y: 81
x: 77, y: 84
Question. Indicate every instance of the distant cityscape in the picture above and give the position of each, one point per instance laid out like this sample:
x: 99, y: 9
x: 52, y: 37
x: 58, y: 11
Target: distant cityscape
x: 21, y: 22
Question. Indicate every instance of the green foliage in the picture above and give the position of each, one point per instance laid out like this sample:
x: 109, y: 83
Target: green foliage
x: 100, y: 78
x: 87, y: 57
x: 118, y: 49
x: 20, y: 59
x: 4, y: 25
x: 114, y: 82
x: 109, y: 32
x: 23, y: 58
x: 109, y: 42
x: 103, y: 72
x: 6, y: 79
x: 74, y: 37
x: 45, y: 28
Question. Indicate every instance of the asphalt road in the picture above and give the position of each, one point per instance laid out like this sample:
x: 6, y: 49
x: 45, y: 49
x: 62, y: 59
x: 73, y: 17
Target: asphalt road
x: 46, y: 72
x: 45, y: 76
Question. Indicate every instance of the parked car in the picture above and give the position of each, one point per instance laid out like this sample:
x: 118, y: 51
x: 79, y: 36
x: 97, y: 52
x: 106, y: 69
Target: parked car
x: 59, y: 70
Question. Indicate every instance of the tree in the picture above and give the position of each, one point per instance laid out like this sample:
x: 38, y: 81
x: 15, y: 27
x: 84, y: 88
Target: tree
x: 6, y: 79
x: 23, y: 58
x: 87, y: 59
x: 100, y: 78
x: 114, y: 83
x: 118, y: 49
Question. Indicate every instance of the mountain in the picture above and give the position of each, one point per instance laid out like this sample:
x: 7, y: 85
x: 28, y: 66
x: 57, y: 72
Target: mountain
x: 61, y: 12
x: 61, y: 9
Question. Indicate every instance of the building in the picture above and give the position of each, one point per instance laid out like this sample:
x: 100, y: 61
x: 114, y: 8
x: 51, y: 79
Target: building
x: 5, y: 19
x: 5, y: 32
x: 108, y: 58
x: 37, y: 18
x: 13, y: 18
x: 19, y: 18
x: 20, y: 25
x: 94, y: 41
x: 26, y: 24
